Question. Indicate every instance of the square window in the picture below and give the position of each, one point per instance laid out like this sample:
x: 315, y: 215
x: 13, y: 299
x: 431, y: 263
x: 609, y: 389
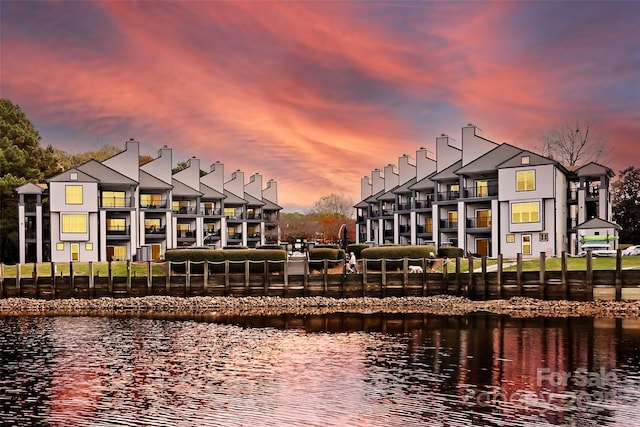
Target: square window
x: 73, y: 194
x: 544, y: 237
x: 88, y: 246
x: 511, y: 238
x: 526, y: 180
x: 525, y: 160
x: 60, y: 246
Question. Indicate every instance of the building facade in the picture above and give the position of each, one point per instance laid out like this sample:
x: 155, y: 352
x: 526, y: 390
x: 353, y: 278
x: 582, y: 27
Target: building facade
x: 119, y: 210
x: 485, y: 198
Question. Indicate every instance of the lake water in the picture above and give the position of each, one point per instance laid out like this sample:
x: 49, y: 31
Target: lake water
x: 338, y: 370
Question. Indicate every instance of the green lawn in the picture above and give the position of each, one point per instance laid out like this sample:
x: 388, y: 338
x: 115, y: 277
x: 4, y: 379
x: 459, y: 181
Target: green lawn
x: 119, y: 268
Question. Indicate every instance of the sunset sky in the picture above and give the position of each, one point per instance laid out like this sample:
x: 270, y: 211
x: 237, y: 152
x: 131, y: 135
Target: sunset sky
x: 317, y: 94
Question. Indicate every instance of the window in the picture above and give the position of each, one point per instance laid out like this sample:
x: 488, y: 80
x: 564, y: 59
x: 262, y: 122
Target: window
x: 59, y: 246
x: 116, y: 224
x: 428, y: 225
x: 526, y: 244
x: 454, y: 191
x: 150, y: 200
x: 483, y: 218
x: 482, y: 188
x: 75, y: 252
x: 73, y: 194
x: 181, y: 206
x: 74, y: 223
x: 526, y: 180
x: 525, y: 160
x: 183, y: 230
x: 88, y: 246
x: 113, y: 199
x: 525, y: 212
x: 511, y: 238
x: 230, y: 212
x: 151, y: 225
x: 116, y: 253
x: 544, y: 237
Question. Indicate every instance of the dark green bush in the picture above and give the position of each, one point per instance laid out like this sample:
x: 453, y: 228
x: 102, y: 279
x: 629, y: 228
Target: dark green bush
x: 395, y: 255
x: 236, y: 257
x: 271, y: 246
x: 317, y: 255
x: 450, y: 252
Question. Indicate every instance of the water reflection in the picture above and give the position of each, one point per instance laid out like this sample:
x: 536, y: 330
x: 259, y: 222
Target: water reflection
x: 337, y: 370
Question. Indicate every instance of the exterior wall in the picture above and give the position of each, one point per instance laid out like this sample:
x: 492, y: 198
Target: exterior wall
x: 474, y: 146
x: 127, y: 162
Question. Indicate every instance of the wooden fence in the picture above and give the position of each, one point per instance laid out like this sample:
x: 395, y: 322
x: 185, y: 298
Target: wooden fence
x: 194, y: 280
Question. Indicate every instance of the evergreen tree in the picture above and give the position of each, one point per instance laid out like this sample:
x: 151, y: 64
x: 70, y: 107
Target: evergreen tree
x: 626, y: 205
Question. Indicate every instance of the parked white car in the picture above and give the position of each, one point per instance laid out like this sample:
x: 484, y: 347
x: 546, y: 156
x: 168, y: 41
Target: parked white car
x: 632, y: 251
x: 597, y: 249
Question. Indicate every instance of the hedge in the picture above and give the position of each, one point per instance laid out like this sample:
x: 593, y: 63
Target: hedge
x: 218, y: 256
x: 395, y: 255
x: 317, y: 255
x: 450, y: 252
x: 357, y: 249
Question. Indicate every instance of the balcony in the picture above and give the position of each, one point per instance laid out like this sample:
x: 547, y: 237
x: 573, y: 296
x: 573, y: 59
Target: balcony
x: 234, y: 236
x: 155, y: 204
x: 254, y: 216
x: 593, y: 192
x: 448, y: 225
x: 572, y: 196
x: 424, y: 204
x: 388, y: 234
x: 404, y: 229
x: 115, y: 203
x: 444, y: 196
x: 490, y: 190
x: 211, y: 212
x: 404, y: 206
x: 479, y: 223
x: 155, y: 233
x: 572, y: 223
x: 118, y: 232
x: 185, y: 210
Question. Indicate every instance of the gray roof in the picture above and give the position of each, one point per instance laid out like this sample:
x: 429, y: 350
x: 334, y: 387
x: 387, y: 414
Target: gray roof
x: 183, y: 190
x: 29, y: 188
x: 232, y: 199
x: 594, y: 169
x: 387, y: 196
x: 489, y: 161
x: 66, y: 176
x: 150, y: 182
x: 424, y: 184
x: 597, y: 223
x: 374, y: 197
x: 252, y: 201
x: 105, y: 174
x: 404, y: 188
x: 270, y: 206
x: 361, y: 204
x: 209, y: 193
x: 448, y: 173
x: 534, y: 160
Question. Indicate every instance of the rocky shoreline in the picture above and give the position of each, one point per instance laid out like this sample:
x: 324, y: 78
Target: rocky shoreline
x: 441, y: 305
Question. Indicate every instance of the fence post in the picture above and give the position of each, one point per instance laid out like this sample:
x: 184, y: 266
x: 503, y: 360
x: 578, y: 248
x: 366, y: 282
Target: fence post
x: 91, y: 281
x: 187, y: 284
x: 128, y: 278
x: 563, y: 275
x: 499, y: 277
x: 590, y: 275
x: 72, y: 279
x: 19, y: 279
x: 458, y: 276
x: 619, y: 275
x: 519, y: 274
x: 1, y: 280
x: 305, y: 278
x: 325, y: 274
x: 542, y: 278
x: 149, y: 277
x: 227, y: 283
x: 246, y: 276
x: 383, y: 279
x: 285, y: 271
x: 364, y: 277
x: 471, y: 292
x: 405, y: 274
x: 167, y: 283
x: 266, y: 277
x: 53, y: 279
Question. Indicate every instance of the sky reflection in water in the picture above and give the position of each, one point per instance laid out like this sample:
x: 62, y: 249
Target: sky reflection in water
x: 340, y: 370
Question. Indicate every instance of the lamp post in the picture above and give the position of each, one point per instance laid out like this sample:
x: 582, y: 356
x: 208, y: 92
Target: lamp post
x: 342, y: 234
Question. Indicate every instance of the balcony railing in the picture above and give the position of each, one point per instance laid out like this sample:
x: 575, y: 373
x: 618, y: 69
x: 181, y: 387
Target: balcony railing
x: 121, y: 230
x: 211, y: 212
x: 448, y: 195
x: 490, y: 190
x: 593, y: 192
x: 424, y: 204
x: 186, y: 234
x: 116, y: 202
x: 185, y: 210
x: 478, y: 222
x: 257, y: 216
x: 444, y: 224
x: 155, y: 230
x: 157, y: 204
x: 404, y: 228
x: 234, y: 236
x: 404, y: 206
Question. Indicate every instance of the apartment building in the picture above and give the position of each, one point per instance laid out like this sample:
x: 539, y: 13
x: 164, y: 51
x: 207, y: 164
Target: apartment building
x: 118, y: 210
x: 486, y: 198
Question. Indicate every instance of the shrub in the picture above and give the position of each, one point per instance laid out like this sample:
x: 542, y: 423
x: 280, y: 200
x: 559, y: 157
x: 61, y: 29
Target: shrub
x: 235, y: 256
x: 450, y: 252
x: 332, y: 253
x: 395, y: 255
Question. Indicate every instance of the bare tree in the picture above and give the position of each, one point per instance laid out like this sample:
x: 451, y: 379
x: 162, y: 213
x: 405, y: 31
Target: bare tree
x: 574, y: 144
x: 336, y: 204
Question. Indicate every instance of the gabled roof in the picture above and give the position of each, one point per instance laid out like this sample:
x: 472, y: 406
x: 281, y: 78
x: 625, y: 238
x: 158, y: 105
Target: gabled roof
x: 448, y: 173
x: 182, y: 189
x: 534, y: 160
x: 387, y: 196
x: 490, y: 160
x: 252, y: 201
x: 424, y: 184
x: 29, y: 188
x: 597, y: 223
x: 374, y: 197
x: 105, y: 174
x: 150, y: 182
x: 361, y: 204
x: 232, y: 199
x: 594, y: 169
x: 270, y: 206
x: 65, y: 176
x: 209, y: 193
x: 404, y: 188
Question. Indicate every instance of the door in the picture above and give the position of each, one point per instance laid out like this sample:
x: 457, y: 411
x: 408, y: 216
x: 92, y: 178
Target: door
x: 482, y: 246
x: 526, y: 244
x: 155, y: 251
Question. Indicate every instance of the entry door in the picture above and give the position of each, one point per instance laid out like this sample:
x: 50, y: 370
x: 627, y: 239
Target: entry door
x: 526, y: 244
x: 482, y: 246
x: 155, y: 251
